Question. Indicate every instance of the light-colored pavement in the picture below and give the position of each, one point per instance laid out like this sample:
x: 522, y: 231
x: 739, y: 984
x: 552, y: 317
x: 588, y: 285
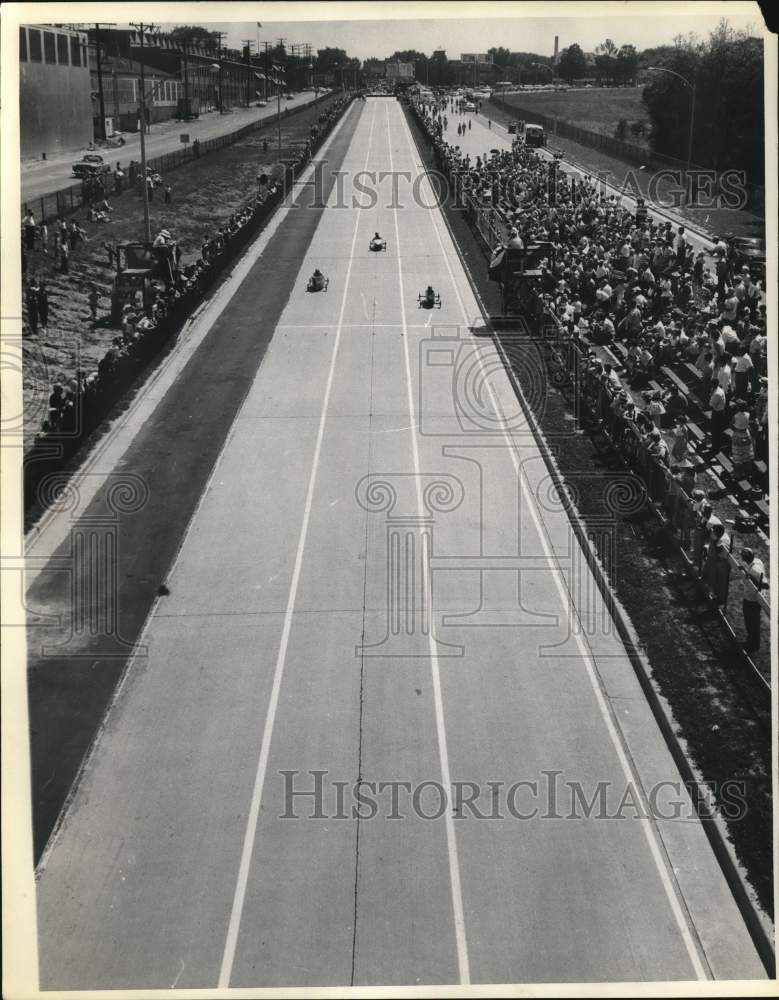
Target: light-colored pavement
x: 41, y: 177
x: 296, y: 638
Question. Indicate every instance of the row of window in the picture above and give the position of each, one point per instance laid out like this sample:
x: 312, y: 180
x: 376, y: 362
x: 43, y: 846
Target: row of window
x: 128, y: 90
x: 52, y: 47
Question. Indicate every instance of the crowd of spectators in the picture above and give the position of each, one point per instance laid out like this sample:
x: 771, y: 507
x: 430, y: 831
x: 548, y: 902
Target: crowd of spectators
x: 615, y: 276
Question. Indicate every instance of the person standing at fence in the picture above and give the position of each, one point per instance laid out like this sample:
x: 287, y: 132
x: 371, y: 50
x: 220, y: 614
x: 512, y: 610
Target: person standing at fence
x: 64, y: 257
x: 43, y: 229
x: 754, y: 582
x: 168, y: 194
x: 43, y: 305
x: 29, y: 229
x: 716, y: 570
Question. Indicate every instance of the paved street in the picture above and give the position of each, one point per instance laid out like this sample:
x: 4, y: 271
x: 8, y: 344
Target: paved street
x: 41, y: 177
x: 378, y: 585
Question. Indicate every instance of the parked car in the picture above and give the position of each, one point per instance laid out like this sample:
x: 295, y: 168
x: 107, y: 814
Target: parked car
x: 262, y: 104
x: 90, y: 165
x: 749, y: 251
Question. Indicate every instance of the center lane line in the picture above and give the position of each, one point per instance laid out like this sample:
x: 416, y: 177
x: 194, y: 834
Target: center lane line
x: 262, y: 764
x: 451, y: 840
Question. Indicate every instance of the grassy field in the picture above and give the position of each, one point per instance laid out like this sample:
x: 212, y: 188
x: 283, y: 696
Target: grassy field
x: 598, y: 110
x: 205, y: 193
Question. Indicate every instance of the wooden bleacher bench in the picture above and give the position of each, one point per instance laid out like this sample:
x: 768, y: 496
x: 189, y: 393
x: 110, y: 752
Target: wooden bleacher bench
x: 762, y: 506
x: 620, y: 349
x: 761, y: 471
x: 696, y: 432
x: 673, y: 377
x: 719, y: 486
x: 655, y: 386
x: 693, y: 371
x: 722, y: 459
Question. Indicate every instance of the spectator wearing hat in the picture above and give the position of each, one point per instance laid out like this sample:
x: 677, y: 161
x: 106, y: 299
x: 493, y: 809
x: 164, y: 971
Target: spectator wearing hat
x: 753, y: 583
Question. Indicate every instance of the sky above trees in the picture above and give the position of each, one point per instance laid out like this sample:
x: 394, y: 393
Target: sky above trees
x: 380, y: 38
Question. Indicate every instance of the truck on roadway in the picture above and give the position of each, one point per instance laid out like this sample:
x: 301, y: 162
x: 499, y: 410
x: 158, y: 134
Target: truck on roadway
x: 534, y: 135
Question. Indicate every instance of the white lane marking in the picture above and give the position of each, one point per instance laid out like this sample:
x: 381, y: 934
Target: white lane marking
x: 451, y: 840
x: 239, y: 896
x: 629, y: 772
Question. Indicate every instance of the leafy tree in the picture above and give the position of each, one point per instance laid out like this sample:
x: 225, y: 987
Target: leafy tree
x: 500, y: 56
x: 572, y: 64
x: 627, y: 63
x: 727, y: 71
x: 441, y: 73
x: 194, y: 34
x: 609, y: 51
x: 328, y: 58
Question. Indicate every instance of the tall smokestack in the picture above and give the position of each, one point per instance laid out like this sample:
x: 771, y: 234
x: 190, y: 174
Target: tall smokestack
x: 556, y: 47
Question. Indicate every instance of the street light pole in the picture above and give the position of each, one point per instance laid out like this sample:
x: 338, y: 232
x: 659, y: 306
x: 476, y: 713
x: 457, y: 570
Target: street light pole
x: 692, y: 85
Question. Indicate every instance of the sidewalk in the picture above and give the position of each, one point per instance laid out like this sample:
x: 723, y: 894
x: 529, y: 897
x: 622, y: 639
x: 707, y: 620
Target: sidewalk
x: 42, y: 177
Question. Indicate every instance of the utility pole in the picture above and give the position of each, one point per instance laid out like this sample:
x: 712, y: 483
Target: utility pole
x: 247, y: 44
x: 101, y: 131
x: 141, y: 28
x: 220, y: 35
x: 186, y: 82
x: 267, y: 47
x: 278, y: 108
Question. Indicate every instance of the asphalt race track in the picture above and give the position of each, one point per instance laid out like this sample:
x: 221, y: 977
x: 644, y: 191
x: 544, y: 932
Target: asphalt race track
x: 375, y: 582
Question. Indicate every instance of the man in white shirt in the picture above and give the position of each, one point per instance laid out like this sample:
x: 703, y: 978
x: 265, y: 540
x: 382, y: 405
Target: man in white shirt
x: 754, y: 579
x: 719, y: 419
